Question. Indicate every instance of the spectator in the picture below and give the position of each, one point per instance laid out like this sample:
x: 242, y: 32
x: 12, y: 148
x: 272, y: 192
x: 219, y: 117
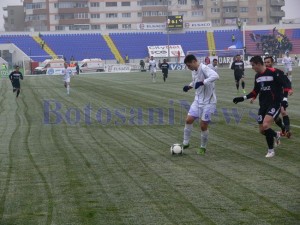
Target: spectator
x: 232, y: 38
x: 142, y: 64
x: 257, y: 46
x: 239, y: 24
x: 77, y: 68
x: 126, y: 59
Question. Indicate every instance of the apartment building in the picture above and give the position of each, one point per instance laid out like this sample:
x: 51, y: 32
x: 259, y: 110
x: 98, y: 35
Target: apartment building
x: 14, y: 18
x: 64, y: 15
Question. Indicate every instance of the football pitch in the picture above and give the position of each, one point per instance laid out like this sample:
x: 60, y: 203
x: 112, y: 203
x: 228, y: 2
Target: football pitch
x: 102, y: 155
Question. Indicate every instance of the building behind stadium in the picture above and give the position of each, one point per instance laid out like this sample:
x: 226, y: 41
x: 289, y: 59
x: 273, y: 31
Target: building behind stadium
x: 106, y: 15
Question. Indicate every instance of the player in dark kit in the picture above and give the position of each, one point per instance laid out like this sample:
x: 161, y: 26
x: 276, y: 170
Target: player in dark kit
x: 165, y: 69
x: 269, y: 84
x: 238, y: 67
x: 285, y: 126
x: 15, y: 77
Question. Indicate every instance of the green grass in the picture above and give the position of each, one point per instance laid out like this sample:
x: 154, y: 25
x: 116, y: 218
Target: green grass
x: 114, y: 166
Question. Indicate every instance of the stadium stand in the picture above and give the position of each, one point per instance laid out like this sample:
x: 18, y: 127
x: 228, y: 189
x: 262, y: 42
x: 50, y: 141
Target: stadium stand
x: 80, y: 46
x: 25, y: 43
x: 223, y: 39
x: 135, y: 44
x: 294, y: 36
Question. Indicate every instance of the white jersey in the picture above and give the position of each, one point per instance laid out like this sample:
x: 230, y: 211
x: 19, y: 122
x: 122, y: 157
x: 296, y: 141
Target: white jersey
x: 287, y: 62
x: 67, y: 74
x: 215, y: 68
x: 205, y: 94
x: 152, y: 65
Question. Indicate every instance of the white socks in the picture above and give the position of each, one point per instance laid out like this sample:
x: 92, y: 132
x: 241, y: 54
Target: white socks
x: 68, y: 89
x: 187, y: 133
x: 204, y: 138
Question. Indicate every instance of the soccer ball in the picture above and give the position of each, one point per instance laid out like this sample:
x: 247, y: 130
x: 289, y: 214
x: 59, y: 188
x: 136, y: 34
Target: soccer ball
x: 176, y: 149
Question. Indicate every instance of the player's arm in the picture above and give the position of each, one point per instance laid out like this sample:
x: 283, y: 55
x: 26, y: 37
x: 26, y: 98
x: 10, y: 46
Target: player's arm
x: 10, y: 76
x: 210, y: 75
x: 186, y: 88
x: 251, y: 95
x: 21, y: 76
x: 232, y: 65
x: 283, y: 81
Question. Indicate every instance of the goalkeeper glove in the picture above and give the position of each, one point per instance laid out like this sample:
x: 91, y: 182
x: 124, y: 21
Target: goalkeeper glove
x: 186, y: 88
x: 238, y: 99
x: 198, y: 84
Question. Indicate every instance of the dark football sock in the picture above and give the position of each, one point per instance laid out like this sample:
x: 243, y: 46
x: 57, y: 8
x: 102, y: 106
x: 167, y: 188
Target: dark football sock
x: 269, y: 133
x: 286, y: 122
x: 279, y: 123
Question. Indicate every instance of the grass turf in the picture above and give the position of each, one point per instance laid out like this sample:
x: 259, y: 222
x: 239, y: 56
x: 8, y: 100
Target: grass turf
x: 102, y: 155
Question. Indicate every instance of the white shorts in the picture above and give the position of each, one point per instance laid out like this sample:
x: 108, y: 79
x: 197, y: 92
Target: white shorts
x: 67, y: 80
x: 202, y: 111
x: 153, y: 71
x: 288, y: 69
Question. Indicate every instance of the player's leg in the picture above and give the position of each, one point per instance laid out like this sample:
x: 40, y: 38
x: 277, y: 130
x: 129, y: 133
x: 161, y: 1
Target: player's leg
x: 152, y: 75
x: 286, y: 122
x: 208, y: 110
x: 17, y: 87
x: 18, y: 92
x: 237, y: 82
x: 243, y: 84
x: 290, y: 74
x: 192, y: 115
x: 68, y: 88
x: 279, y: 123
x: 270, y: 134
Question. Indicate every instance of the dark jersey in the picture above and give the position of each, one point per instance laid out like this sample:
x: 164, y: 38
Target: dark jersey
x: 164, y: 67
x: 238, y: 67
x: 15, y: 76
x: 271, y: 86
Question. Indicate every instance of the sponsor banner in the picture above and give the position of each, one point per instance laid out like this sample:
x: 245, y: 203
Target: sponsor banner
x: 177, y: 66
x: 134, y: 66
x: 230, y: 21
x: 151, y: 26
x: 198, y: 24
x: 58, y: 71
x: 162, y: 51
x: 116, y: 68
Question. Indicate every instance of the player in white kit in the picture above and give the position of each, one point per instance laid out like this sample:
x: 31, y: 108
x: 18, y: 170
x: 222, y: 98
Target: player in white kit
x: 205, y: 100
x: 67, y: 73
x: 287, y: 62
x: 152, y: 68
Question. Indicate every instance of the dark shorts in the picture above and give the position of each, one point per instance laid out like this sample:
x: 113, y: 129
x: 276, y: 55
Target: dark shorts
x: 15, y: 84
x: 237, y: 77
x: 272, y: 110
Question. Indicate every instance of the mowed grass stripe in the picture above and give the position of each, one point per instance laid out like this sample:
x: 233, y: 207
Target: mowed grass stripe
x: 124, y: 174
x: 221, y: 177
x: 88, y: 209
x: 146, y: 180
